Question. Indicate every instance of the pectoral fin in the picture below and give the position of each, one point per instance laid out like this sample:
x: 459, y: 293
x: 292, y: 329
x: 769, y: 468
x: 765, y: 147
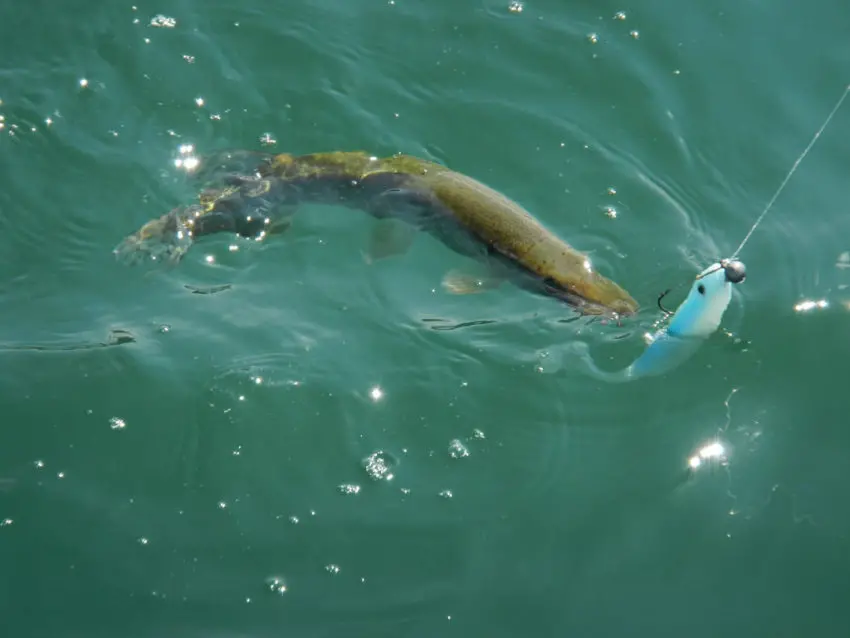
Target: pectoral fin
x: 389, y: 237
x: 459, y: 282
x: 281, y: 219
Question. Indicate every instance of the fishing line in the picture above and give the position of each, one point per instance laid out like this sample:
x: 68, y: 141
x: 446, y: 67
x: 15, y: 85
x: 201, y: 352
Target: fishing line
x: 773, y: 199
x: 793, y: 169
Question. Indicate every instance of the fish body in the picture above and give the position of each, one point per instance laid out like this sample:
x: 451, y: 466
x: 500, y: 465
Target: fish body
x: 468, y: 216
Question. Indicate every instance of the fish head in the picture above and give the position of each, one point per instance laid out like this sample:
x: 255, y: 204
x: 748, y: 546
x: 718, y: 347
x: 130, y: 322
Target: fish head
x: 594, y: 294
x: 702, y: 311
x: 608, y: 297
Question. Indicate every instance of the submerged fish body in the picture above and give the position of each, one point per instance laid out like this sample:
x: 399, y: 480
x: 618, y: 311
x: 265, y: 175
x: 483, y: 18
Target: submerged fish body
x: 250, y: 194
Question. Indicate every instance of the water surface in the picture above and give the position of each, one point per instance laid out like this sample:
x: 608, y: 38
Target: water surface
x: 328, y: 447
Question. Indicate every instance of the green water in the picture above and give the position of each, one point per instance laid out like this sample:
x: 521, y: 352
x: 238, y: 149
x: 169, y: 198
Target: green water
x: 159, y: 485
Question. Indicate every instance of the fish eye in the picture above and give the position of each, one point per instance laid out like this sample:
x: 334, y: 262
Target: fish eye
x: 701, y: 289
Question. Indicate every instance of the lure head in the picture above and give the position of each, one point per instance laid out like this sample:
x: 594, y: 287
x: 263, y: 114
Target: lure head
x: 701, y: 312
x: 735, y: 270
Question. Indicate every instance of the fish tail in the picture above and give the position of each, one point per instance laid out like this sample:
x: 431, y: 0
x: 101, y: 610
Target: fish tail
x: 165, y: 238
x: 581, y: 351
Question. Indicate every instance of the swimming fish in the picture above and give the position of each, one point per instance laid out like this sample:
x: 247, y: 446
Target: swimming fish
x: 696, y: 319
x: 256, y: 194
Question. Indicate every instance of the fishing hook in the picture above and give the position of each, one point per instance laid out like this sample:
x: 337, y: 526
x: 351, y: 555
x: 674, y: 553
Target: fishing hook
x: 661, y: 306
x: 722, y: 264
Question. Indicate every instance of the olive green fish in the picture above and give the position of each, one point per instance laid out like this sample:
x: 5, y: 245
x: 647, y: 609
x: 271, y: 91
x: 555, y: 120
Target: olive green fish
x: 256, y: 194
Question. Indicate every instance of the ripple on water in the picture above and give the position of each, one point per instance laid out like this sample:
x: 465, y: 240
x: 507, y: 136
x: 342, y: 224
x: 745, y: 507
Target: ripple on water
x: 276, y: 585
x: 457, y: 450
x: 348, y: 489
x: 380, y: 465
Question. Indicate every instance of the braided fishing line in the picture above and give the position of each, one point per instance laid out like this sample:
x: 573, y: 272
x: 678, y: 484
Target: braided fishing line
x: 792, y: 171
x: 725, y: 263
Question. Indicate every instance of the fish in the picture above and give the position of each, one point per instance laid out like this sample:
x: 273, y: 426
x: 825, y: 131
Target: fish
x: 695, y: 320
x: 255, y: 194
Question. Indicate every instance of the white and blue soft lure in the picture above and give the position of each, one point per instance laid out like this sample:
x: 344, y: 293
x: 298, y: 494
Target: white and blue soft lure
x: 696, y: 319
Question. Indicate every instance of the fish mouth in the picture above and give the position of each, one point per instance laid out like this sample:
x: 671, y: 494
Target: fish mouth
x: 624, y: 307
x: 611, y: 311
x: 615, y: 309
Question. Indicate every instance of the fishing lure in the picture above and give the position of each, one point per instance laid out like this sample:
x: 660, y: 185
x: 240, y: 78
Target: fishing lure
x: 700, y: 314
x: 696, y: 319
